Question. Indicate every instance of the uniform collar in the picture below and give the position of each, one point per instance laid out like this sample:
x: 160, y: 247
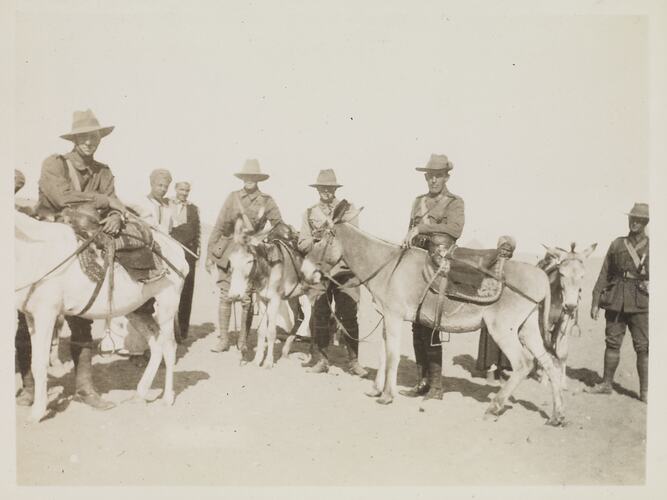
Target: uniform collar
x: 440, y: 195
x: 329, y: 206
x: 79, y: 162
x: 251, y: 196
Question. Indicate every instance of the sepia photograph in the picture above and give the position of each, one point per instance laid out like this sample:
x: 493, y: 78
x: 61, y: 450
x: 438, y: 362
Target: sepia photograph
x: 280, y: 248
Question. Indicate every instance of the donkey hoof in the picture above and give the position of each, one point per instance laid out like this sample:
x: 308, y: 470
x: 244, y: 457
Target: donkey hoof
x: 557, y: 421
x: 267, y: 366
x: 34, y: 418
x: 384, y: 400
x: 168, y: 398
x: 373, y: 393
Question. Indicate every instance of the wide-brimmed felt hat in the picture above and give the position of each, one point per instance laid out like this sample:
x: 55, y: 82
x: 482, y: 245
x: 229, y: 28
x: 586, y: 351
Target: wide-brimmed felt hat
x: 437, y: 163
x: 639, y: 210
x: 251, y: 171
x: 326, y: 178
x: 84, y: 122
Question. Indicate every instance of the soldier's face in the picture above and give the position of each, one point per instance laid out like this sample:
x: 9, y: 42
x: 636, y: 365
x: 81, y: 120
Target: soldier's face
x: 249, y: 185
x: 159, y: 187
x: 182, y: 193
x: 436, y: 181
x: 327, y: 193
x: 636, y: 224
x: 86, y: 144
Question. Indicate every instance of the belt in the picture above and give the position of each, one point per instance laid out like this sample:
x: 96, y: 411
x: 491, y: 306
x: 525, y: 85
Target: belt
x: 632, y: 276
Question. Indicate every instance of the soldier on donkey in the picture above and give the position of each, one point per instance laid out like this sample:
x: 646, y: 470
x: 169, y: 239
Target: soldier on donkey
x: 316, y: 220
x: 255, y: 209
x: 436, y: 222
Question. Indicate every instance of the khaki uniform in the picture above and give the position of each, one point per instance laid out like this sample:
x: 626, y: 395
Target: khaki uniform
x: 257, y: 209
x: 316, y: 221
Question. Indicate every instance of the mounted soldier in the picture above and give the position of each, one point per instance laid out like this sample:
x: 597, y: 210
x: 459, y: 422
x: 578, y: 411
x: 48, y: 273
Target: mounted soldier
x: 76, y: 183
x: 622, y: 291
x: 436, y: 223
x: 256, y: 209
x: 316, y: 221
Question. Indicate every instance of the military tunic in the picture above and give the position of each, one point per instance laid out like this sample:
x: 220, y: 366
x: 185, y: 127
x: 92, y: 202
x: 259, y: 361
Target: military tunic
x: 59, y: 190
x: 622, y: 289
x: 440, y: 214
x: 316, y: 221
x: 258, y: 207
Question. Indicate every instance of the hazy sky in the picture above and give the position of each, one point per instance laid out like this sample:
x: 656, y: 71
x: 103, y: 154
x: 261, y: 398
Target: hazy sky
x: 545, y: 118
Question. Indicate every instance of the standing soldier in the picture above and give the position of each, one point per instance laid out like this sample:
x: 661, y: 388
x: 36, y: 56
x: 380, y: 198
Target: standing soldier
x: 186, y: 230
x: 622, y: 290
x: 315, y: 223
x: 436, y: 222
x: 256, y: 209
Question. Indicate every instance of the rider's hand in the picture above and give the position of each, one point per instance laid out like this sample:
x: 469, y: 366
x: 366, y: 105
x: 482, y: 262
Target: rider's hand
x: 112, y: 224
x: 595, y: 311
x: 407, y: 242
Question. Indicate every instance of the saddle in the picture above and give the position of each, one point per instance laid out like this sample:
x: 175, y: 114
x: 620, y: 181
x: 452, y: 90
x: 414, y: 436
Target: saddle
x: 134, y: 248
x: 464, y: 276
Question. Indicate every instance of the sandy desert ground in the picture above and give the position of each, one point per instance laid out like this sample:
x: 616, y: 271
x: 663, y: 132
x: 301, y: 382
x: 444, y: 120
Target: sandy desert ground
x: 245, y: 426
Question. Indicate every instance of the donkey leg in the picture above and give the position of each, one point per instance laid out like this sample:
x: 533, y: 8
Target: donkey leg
x: 147, y: 378
x: 393, y: 353
x: 522, y: 363
x: 43, y: 323
x: 169, y: 355
x: 532, y: 339
x: 561, y: 353
x: 380, y: 376
x: 261, y: 340
x: 271, y: 313
x: 287, y: 346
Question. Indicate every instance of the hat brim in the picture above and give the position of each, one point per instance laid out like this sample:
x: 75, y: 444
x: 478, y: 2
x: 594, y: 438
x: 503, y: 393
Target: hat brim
x: 326, y: 185
x: 252, y: 177
x: 104, y: 131
x: 638, y: 216
x: 425, y: 169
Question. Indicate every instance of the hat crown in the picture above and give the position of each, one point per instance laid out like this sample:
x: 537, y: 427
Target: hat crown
x: 252, y: 171
x: 251, y: 167
x: 639, y: 210
x: 84, y: 122
x: 438, y: 163
x: 326, y: 177
x: 83, y: 119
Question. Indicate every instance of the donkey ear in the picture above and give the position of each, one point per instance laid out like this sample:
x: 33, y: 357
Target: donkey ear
x: 351, y: 214
x: 586, y: 253
x: 340, y: 210
x: 239, y: 231
x: 554, y: 252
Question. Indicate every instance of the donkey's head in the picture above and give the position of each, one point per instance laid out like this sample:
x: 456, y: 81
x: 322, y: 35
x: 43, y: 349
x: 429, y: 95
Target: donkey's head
x: 244, y: 258
x: 571, y: 272
x: 327, y: 252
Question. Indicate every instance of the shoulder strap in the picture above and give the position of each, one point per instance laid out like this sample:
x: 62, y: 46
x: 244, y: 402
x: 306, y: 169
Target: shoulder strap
x: 638, y: 262
x: 244, y: 216
x: 73, y: 177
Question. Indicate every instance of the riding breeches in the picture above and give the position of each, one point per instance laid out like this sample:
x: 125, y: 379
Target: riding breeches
x: 345, y: 308
x: 618, y: 322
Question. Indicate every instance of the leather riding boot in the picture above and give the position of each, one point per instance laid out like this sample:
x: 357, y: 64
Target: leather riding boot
x: 421, y: 387
x: 27, y: 394
x: 246, y: 322
x: 84, y: 390
x: 642, y: 371
x: 611, y: 359
x: 224, y: 314
x: 435, y: 381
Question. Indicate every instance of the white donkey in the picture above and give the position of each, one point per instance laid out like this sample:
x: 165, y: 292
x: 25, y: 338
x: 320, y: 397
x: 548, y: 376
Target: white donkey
x: 276, y: 281
x: 41, y: 246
